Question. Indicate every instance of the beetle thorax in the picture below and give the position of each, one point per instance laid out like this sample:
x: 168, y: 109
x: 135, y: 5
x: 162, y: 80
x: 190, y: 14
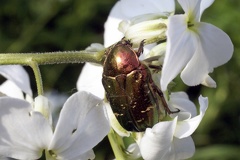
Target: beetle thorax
x: 121, y: 60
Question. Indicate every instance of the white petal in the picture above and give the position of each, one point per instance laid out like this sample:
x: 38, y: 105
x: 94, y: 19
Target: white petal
x: 209, y: 82
x: 191, y: 9
x: 134, y: 151
x: 24, y: 134
x: 157, y: 141
x: 214, y: 49
x: 132, y: 8
x: 11, y: 89
x: 204, y: 5
x: 181, y: 101
x: 184, y: 148
x: 89, y: 155
x: 82, y: 125
x: 95, y: 47
x: 181, y: 149
x: 156, y: 50
x: 90, y: 80
x: 18, y: 75
x: 147, y: 48
x: 181, y: 44
x: 56, y: 100
x: 182, y: 95
x: 5, y: 158
x: 187, y: 127
x: 111, y: 32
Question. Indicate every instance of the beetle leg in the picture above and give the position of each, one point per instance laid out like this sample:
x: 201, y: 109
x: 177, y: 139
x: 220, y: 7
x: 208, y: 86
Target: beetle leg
x: 154, y: 96
x: 140, y: 49
x: 165, y: 105
x: 150, y: 59
x: 156, y: 68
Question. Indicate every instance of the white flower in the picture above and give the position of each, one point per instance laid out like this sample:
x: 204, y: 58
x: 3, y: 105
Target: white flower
x: 171, y: 140
x: 25, y: 133
x: 194, y: 46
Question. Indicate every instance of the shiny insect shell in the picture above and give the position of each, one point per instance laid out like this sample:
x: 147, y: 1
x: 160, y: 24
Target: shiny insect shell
x: 129, y: 87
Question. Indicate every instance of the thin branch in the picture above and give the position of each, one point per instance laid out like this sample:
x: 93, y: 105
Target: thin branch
x: 51, y: 57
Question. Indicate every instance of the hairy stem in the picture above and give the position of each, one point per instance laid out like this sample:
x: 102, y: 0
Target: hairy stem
x: 51, y: 57
x: 38, y: 77
x: 35, y: 59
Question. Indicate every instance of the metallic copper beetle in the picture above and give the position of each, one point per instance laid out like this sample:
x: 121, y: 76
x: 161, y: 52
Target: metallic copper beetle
x: 135, y: 99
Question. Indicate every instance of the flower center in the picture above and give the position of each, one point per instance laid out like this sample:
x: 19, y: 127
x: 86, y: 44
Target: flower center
x: 52, y: 153
x: 190, y: 24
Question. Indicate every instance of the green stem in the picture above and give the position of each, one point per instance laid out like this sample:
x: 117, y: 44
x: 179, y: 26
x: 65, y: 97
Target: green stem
x: 51, y: 57
x: 35, y: 59
x: 38, y: 77
x: 117, y: 145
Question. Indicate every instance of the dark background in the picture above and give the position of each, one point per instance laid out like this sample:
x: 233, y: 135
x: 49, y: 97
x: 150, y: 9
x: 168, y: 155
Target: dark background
x: 64, y: 25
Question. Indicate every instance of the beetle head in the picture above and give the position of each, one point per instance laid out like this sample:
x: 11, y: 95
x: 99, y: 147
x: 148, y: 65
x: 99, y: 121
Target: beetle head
x: 121, y: 59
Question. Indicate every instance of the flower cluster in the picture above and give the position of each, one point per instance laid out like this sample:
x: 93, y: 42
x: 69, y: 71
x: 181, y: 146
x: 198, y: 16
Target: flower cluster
x: 179, y: 43
x: 184, y: 45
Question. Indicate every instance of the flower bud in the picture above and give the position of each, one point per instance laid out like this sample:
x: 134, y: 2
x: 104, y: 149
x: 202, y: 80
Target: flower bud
x: 41, y: 105
x: 158, y: 50
x: 150, y: 27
